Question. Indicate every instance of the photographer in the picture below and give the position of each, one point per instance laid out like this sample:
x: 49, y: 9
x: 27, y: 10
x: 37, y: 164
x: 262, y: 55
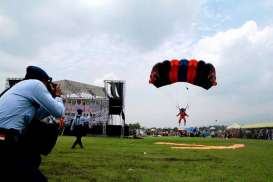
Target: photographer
x: 23, y: 137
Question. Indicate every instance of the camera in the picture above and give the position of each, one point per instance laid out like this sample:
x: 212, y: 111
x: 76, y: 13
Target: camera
x: 52, y: 88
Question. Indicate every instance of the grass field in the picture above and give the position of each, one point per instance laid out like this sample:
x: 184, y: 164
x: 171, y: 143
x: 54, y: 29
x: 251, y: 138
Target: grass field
x: 127, y: 160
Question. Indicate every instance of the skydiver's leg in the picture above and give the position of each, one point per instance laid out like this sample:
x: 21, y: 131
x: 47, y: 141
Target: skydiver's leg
x: 184, y: 121
x: 179, y: 121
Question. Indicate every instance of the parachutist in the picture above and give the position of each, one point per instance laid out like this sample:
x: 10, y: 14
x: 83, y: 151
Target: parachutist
x: 195, y: 72
x: 182, y: 115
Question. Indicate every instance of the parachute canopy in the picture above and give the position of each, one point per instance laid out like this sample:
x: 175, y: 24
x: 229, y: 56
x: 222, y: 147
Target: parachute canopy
x: 191, y: 71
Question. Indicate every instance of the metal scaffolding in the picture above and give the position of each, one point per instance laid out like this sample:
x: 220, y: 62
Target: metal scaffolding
x: 115, y: 90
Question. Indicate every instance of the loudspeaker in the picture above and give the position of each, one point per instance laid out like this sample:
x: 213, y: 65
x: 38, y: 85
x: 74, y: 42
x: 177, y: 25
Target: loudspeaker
x: 115, y: 93
x: 115, y: 106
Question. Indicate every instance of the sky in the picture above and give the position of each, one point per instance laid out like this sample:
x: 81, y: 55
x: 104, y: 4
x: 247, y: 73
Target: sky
x: 93, y: 40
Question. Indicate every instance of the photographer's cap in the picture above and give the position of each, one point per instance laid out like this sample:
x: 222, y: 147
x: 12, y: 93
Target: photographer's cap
x: 34, y: 72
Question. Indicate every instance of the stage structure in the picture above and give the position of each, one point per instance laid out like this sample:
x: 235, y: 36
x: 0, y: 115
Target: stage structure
x: 89, y: 98
x: 115, y: 91
x: 12, y: 81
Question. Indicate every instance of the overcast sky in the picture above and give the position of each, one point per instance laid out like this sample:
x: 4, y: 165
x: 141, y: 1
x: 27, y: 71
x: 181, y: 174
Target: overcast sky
x: 93, y: 40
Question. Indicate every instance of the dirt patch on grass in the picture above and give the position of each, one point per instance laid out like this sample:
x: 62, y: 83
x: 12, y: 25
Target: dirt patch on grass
x: 200, y: 146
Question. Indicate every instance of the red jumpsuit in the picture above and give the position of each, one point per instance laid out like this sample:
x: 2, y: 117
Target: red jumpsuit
x: 182, y: 115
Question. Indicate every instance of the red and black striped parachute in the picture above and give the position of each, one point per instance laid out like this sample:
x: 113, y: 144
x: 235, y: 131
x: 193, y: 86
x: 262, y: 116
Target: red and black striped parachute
x: 191, y: 71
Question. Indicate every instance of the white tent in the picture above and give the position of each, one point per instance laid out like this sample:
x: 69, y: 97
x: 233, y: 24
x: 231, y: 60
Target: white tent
x: 234, y: 126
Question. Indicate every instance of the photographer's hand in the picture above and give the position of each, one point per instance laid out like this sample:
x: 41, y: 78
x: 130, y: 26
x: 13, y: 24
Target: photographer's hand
x: 57, y: 91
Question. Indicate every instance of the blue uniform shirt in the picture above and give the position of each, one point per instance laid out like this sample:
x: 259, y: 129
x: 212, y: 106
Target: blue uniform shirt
x: 77, y: 121
x: 26, y: 100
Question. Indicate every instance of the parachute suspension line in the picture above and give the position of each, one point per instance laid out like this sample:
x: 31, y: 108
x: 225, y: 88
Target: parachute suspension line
x: 174, y: 99
x: 183, y: 103
x: 187, y: 98
x: 170, y: 99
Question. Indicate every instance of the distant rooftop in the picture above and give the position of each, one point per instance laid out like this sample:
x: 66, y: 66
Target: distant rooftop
x: 77, y: 89
x: 71, y: 88
x: 258, y: 125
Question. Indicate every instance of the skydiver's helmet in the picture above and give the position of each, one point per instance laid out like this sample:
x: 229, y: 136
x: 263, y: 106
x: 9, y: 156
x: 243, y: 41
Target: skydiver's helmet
x: 182, y: 109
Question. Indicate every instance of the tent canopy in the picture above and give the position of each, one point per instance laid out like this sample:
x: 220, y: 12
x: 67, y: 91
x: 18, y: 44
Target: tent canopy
x: 234, y: 126
x: 258, y: 125
x: 251, y: 126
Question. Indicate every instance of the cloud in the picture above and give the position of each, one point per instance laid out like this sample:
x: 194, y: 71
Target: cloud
x: 108, y: 76
x: 242, y: 55
x: 143, y: 24
x: 87, y: 58
x: 7, y: 27
x: 11, y: 66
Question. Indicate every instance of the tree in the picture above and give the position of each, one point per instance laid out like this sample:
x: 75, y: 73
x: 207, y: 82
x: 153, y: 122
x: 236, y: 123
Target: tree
x: 134, y: 126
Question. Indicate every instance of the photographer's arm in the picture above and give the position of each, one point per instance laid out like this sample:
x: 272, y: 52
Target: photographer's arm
x: 42, y: 96
x: 41, y: 113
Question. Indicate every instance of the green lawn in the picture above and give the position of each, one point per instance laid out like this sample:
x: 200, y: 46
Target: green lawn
x: 124, y: 160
